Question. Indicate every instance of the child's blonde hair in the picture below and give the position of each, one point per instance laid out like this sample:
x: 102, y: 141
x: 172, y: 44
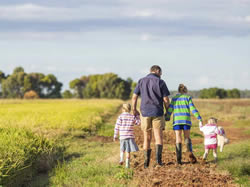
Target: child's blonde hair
x: 212, y: 120
x: 126, y: 107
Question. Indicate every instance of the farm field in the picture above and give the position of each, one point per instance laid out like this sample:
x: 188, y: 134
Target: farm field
x: 78, y: 133
x: 33, y: 133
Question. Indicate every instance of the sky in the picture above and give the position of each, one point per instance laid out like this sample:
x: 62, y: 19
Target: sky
x: 198, y: 43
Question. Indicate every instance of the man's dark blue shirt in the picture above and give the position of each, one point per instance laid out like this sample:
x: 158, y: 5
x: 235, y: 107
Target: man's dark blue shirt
x: 152, y: 89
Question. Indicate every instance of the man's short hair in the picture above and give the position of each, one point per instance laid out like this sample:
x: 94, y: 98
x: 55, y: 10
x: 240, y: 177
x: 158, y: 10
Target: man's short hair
x: 155, y: 68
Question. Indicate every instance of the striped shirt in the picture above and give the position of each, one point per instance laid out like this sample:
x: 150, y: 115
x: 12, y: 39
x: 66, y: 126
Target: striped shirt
x: 181, y: 105
x: 125, y: 125
x: 210, y: 132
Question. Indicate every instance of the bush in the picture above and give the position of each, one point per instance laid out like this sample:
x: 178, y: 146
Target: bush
x: 31, y: 95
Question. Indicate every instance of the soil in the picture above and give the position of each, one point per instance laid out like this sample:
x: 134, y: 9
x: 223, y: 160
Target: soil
x: 171, y: 174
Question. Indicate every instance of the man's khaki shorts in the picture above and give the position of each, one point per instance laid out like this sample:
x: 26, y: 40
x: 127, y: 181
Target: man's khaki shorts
x: 149, y: 123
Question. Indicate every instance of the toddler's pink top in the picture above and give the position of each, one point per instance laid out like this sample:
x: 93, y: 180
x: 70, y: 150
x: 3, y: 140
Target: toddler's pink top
x: 210, y: 132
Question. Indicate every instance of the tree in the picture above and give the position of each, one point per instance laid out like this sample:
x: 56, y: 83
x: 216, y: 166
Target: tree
x: 2, y: 77
x: 234, y: 93
x: 67, y: 94
x: 50, y: 87
x: 107, y: 85
x: 19, y: 82
x: 18, y: 70
x: 133, y: 85
x: 213, y: 93
x: 77, y: 85
x: 13, y: 86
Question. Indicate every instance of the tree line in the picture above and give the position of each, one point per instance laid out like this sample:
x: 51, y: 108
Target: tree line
x: 20, y: 84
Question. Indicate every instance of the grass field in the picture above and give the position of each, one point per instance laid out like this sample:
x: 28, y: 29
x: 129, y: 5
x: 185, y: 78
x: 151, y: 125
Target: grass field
x: 78, y: 133
x: 55, y: 114
x: 33, y: 133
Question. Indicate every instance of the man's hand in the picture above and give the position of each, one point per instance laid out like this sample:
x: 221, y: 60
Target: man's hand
x: 136, y: 112
x: 167, y: 118
x: 114, y: 139
x: 134, y: 104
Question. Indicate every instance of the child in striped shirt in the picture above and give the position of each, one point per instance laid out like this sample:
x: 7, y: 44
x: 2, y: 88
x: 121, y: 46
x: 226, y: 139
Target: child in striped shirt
x: 125, y: 128
x: 210, y: 132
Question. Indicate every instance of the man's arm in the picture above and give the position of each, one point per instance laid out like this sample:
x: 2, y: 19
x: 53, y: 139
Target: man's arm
x: 166, y: 103
x: 134, y: 104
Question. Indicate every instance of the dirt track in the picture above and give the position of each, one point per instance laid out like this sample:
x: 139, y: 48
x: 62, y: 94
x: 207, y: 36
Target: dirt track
x: 171, y: 174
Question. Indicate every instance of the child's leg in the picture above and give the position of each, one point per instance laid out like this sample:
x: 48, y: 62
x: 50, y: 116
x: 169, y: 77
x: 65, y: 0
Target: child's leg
x: 121, y: 157
x: 205, y: 154
x: 127, y: 160
x: 215, y: 154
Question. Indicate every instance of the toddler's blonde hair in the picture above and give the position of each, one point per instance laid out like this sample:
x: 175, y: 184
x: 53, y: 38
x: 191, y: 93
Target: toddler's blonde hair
x: 126, y: 107
x: 212, y: 120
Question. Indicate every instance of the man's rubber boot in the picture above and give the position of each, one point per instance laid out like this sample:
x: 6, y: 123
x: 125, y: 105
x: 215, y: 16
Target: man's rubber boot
x: 158, y: 152
x: 179, y: 153
x: 147, y: 154
x: 191, y: 156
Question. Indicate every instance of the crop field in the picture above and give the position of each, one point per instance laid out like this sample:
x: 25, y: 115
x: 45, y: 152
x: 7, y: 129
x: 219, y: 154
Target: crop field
x: 69, y: 143
x: 31, y: 132
x: 55, y: 114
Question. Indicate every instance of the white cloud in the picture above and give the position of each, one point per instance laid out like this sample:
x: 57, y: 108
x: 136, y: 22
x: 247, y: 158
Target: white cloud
x: 144, y: 13
x: 30, y: 12
x: 247, y: 18
x: 146, y: 37
x: 33, y: 12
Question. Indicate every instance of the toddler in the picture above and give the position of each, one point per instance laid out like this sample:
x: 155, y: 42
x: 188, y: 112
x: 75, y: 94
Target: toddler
x: 210, y: 132
x: 125, y: 128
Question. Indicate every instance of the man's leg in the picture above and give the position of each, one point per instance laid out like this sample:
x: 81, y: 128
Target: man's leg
x: 158, y: 124
x: 158, y: 145
x: 146, y: 147
x: 178, y: 146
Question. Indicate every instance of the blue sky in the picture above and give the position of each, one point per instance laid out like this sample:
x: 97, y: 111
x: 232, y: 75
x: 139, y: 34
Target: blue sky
x: 199, y: 43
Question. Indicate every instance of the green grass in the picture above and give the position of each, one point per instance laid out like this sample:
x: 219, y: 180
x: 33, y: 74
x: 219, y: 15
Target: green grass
x: 22, y: 154
x: 95, y: 165
x: 235, y: 158
x: 32, y: 133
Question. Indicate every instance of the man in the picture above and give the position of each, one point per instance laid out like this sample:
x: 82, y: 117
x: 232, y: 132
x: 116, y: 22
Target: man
x: 154, y: 95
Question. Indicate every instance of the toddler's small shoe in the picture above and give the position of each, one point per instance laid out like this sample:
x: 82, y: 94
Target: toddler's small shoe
x: 120, y: 163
